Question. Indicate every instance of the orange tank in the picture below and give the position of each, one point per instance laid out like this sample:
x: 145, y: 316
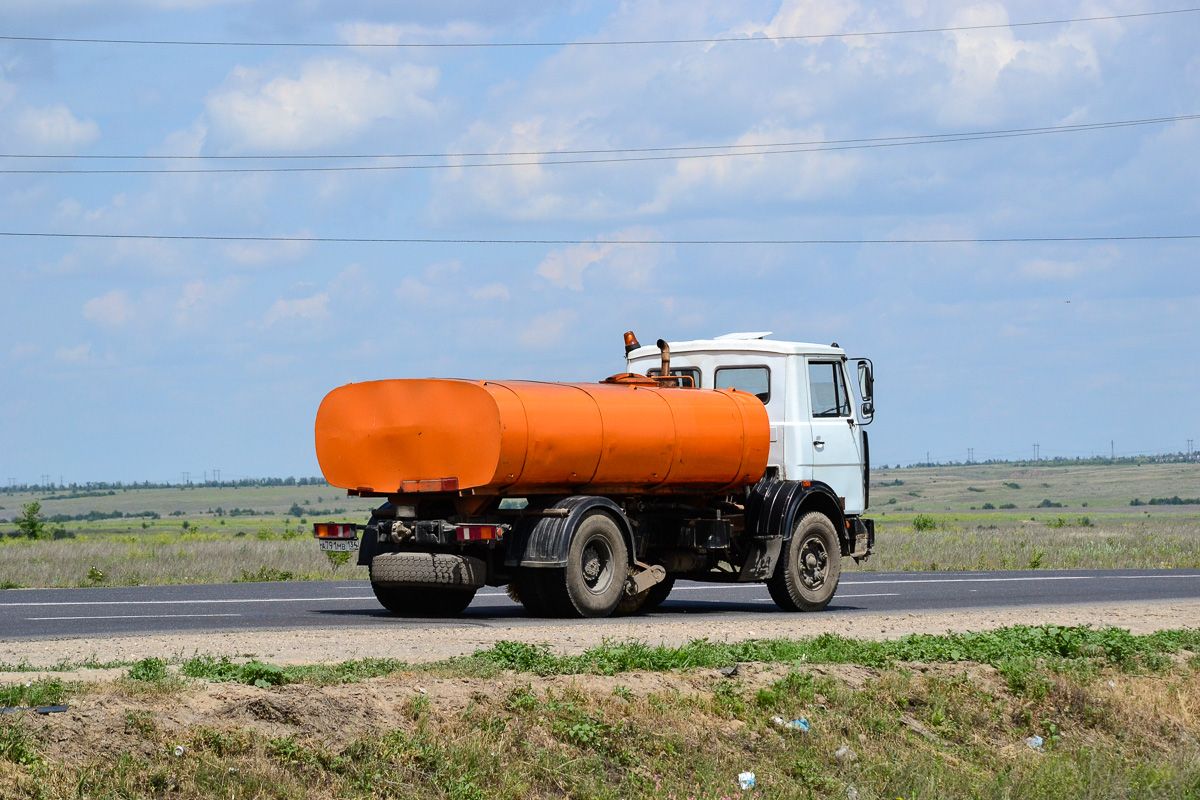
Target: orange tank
x: 518, y: 438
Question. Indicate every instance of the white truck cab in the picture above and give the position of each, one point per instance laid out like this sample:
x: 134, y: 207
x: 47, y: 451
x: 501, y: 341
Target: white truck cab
x: 817, y: 426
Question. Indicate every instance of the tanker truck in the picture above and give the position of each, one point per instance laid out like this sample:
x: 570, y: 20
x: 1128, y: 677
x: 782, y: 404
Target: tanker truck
x: 733, y: 459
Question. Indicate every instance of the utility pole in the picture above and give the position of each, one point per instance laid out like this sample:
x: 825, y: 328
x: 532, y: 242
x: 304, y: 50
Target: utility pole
x: 1112, y: 453
x: 1189, y: 450
x: 187, y: 478
x: 217, y: 475
x: 970, y: 455
x: 1035, y: 452
x: 927, y: 462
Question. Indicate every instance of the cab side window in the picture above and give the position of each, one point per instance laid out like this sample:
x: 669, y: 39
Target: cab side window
x: 683, y: 372
x: 827, y: 390
x: 754, y: 380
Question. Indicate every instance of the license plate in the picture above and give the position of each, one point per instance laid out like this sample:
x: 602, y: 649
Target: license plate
x: 338, y: 545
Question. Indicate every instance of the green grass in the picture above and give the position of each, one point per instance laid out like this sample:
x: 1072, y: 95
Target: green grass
x: 1021, y: 645
x: 44, y: 692
x: 995, y: 540
x: 1113, y: 647
x: 961, y: 518
x: 1118, y: 718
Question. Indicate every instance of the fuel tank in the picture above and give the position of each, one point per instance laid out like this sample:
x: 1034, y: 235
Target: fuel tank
x: 627, y: 435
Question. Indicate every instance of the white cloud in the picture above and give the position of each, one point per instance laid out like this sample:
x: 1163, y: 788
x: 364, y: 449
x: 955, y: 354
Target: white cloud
x: 74, y: 355
x: 433, y: 285
x: 546, y: 330
x: 792, y: 175
x: 329, y: 101
x: 24, y: 350
x: 630, y: 264
x: 114, y: 308
x: 254, y: 254
x: 1048, y: 269
x: 314, y: 308
x: 803, y: 18
x: 373, y: 34
x: 200, y: 298
x: 491, y: 292
x: 980, y: 61
x: 55, y: 128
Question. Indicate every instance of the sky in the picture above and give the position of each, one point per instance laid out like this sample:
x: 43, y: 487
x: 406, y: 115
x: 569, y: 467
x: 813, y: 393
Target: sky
x: 143, y: 359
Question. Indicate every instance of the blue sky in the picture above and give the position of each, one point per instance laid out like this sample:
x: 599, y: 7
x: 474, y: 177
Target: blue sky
x: 135, y: 359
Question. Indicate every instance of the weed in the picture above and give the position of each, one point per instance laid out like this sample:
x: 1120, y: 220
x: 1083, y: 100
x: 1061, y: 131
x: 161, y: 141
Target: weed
x: 140, y: 722
x: 148, y: 670
x: 924, y: 522
x: 223, y: 670
x: 16, y: 745
x: 44, y: 692
x: 1012, y: 485
x: 264, y: 574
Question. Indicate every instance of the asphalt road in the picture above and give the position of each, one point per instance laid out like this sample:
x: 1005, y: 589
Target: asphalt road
x: 46, y: 613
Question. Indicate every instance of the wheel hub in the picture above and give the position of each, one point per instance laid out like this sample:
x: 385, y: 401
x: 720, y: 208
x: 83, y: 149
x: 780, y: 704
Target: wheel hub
x: 813, y: 561
x: 591, y: 568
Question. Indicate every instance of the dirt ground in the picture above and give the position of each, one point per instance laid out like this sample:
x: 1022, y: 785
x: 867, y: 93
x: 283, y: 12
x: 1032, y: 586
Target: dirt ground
x: 425, y: 644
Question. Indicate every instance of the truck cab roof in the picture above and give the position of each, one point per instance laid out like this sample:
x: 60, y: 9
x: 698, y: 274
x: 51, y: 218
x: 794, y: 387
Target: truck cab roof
x: 752, y: 342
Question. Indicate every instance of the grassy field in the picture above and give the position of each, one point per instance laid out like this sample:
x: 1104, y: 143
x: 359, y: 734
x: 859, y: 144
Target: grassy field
x: 1048, y: 517
x: 1114, y: 716
x: 963, y: 517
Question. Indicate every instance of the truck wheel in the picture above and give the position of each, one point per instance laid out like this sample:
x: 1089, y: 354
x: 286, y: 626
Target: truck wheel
x: 809, y: 566
x: 648, y: 600
x: 410, y: 601
x: 594, y: 579
x: 528, y: 593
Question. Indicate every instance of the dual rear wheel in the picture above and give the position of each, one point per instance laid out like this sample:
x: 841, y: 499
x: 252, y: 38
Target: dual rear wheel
x: 592, y: 584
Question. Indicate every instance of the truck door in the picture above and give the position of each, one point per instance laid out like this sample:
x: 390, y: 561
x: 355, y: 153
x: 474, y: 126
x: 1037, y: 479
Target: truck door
x: 836, y: 445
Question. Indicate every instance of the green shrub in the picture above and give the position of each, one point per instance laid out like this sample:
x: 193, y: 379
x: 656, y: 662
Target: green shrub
x: 148, y: 670
x: 923, y: 522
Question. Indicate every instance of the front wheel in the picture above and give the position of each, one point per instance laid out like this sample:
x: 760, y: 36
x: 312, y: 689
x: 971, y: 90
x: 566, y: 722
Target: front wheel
x: 809, y: 566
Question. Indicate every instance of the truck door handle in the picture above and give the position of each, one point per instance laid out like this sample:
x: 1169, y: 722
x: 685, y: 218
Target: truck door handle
x: 819, y: 443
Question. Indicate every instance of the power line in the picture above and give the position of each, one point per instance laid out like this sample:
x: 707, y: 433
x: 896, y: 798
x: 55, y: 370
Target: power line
x: 665, y: 153
x: 623, y: 42
x: 430, y: 240
x: 611, y: 150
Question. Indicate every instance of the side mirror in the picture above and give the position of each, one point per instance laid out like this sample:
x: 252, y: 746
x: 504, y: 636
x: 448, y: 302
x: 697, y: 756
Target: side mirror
x: 866, y: 388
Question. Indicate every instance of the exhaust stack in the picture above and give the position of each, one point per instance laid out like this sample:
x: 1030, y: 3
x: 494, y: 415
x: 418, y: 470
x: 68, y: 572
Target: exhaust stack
x: 667, y: 379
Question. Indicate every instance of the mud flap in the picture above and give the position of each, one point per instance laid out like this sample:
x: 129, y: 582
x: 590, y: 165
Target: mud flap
x: 762, y: 558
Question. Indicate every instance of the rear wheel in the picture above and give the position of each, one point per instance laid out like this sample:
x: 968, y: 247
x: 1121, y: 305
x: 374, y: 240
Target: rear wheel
x: 809, y: 566
x: 410, y: 601
x: 593, y: 581
x: 527, y: 590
